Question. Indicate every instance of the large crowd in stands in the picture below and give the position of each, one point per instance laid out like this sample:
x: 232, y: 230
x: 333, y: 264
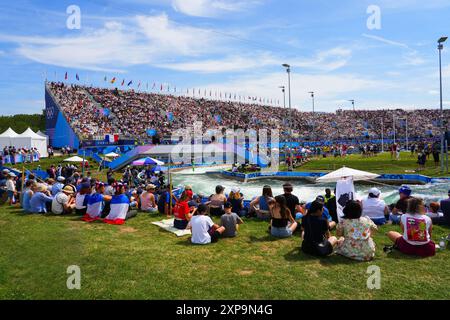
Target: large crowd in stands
x: 131, y: 114
x: 68, y: 191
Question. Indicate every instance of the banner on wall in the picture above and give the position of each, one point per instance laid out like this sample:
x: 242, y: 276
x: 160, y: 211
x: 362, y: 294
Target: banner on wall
x: 345, y: 191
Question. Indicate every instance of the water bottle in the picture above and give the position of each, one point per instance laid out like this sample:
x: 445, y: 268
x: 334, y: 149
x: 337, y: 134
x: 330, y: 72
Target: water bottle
x: 443, y: 243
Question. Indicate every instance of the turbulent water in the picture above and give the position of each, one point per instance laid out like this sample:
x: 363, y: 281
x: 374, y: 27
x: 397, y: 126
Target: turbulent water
x: 205, y: 184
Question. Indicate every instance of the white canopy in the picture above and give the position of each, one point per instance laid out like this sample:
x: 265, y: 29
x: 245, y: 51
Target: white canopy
x: 75, y: 159
x: 345, y: 172
x: 112, y: 155
x: 29, y: 139
x: 7, y: 137
x: 43, y: 135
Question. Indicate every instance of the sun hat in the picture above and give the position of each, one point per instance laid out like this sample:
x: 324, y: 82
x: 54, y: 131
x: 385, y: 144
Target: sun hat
x: 151, y: 187
x: 12, y: 174
x: 41, y: 187
x: 6, y: 171
x: 235, y: 190
x: 68, y: 189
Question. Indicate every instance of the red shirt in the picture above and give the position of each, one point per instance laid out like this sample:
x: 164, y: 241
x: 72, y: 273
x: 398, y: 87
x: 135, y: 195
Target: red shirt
x: 181, y: 210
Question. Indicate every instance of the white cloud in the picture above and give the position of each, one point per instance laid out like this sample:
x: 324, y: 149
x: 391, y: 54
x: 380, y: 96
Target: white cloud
x: 386, y: 41
x: 328, y: 60
x: 145, y: 40
x: 210, y: 8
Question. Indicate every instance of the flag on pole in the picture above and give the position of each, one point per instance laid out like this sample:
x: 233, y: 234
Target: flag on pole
x: 130, y: 83
x: 154, y: 86
x: 105, y: 79
x: 77, y: 77
x: 113, y: 80
x: 66, y: 76
x: 123, y: 82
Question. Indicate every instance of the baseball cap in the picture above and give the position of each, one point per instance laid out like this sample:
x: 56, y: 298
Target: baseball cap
x: 375, y: 191
x: 405, y: 190
x: 320, y: 199
x: 235, y: 190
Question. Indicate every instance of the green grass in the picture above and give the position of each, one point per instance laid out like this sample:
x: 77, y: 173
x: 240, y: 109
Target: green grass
x: 379, y: 164
x: 140, y: 261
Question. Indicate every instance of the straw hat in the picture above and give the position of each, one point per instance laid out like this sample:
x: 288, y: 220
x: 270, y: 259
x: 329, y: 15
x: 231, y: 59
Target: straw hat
x: 41, y: 187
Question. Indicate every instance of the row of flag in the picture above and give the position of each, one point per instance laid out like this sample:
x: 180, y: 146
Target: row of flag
x: 204, y: 93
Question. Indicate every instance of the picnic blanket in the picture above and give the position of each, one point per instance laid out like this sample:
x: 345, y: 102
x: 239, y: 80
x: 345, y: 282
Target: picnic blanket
x: 168, y: 226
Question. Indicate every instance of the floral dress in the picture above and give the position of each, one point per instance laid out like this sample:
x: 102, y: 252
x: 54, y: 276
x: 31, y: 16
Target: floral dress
x: 358, y: 244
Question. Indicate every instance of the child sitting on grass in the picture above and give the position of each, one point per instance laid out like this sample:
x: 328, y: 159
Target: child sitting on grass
x: 230, y: 221
x: 204, y: 230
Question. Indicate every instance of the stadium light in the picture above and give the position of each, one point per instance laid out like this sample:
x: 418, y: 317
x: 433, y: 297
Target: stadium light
x: 353, y: 104
x: 440, y: 48
x: 288, y: 70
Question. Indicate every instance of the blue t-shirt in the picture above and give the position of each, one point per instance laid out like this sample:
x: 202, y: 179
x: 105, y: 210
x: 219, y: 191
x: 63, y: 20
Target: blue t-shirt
x: 38, y: 202
x: 325, y: 214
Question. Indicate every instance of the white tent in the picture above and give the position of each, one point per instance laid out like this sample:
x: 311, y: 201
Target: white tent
x: 344, y: 173
x: 75, y: 159
x: 6, y: 138
x: 43, y: 135
x: 30, y: 139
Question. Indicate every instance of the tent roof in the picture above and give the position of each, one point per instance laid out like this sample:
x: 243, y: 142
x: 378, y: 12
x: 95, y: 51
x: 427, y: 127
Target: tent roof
x: 345, y: 172
x: 10, y: 133
x: 75, y: 159
x: 42, y: 134
x: 29, y: 133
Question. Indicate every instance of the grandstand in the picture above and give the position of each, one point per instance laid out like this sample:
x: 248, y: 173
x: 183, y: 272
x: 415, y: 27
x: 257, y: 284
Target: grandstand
x: 81, y: 114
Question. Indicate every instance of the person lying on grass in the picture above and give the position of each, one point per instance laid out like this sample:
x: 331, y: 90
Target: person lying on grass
x: 282, y: 223
x: 120, y: 206
x: 416, y: 226
x: 357, y: 243
x: 317, y: 240
x: 204, y: 230
x: 230, y: 221
x: 96, y: 203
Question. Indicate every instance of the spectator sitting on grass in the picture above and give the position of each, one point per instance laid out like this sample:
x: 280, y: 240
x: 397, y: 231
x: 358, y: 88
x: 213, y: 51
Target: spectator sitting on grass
x: 317, y: 240
x: 237, y: 201
x: 96, y: 203
x: 30, y: 187
x: 40, y: 199
x: 357, y: 243
x: 260, y: 205
x: 64, y: 202
x: 82, y: 198
x: 375, y: 208
x: 326, y: 213
x: 230, y: 221
x: 120, y: 206
x: 416, y: 231
x: 148, y: 202
x: 402, y: 204
x: 282, y: 223
x: 204, y: 230
x: 216, y: 202
x: 182, y: 211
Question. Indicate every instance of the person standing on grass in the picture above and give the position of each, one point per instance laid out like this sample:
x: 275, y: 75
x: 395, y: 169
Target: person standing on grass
x: 230, y: 221
x: 204, y: 230
x: 357, y: 243
x: 317, y: 239
x: 416, y: 226
x: 11, y: 189
x: 282, y: 223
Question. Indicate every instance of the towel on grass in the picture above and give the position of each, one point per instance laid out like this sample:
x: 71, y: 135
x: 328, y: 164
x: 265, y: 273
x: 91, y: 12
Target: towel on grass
x: 168, y: 226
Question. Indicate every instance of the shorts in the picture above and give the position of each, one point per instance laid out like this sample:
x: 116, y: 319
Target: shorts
x: 180, y: 224
x: 10, y: 194
x: 281, y: 232
x: 425, y: 250
x: 318, y: 249
x: 214, y: 234
x: 379, y: 221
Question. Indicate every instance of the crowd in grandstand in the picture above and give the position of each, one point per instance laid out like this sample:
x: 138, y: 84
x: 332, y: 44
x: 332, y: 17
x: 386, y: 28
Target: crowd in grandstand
x: 115, y: 202
x: 96, y: 112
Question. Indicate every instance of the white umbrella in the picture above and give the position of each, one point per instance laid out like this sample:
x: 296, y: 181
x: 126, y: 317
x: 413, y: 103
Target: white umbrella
x: 112, y: 155
x: 345, y: 172
x: 75, y: 159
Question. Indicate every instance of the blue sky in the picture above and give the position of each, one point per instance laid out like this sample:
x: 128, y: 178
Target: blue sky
x: 234, y: 46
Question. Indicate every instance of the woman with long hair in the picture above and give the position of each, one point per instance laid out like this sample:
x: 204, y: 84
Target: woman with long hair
x: 282, y: 223
x: 260, y: 205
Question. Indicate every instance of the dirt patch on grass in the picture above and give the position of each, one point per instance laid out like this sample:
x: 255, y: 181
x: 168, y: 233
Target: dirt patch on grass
x: 127, y: 230
x: 246, y: 272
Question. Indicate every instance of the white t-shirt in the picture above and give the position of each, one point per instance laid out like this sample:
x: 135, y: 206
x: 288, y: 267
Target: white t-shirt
x: 373, y: 208
x: 200, y: 227
x: 79, y: 201
x: 416, y: 229
x: 58, y: 203
x: 10, y: 185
